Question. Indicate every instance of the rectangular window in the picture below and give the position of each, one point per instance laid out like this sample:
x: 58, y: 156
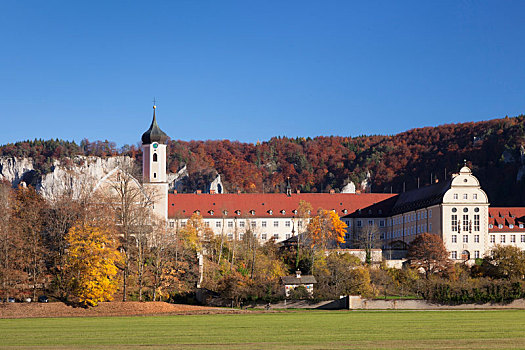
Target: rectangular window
x: 172, y: 224
x: 381, y: 223
x: 276, y: 224
x: 241, y: 224
x: 476, y: 254
x: 502, y: 239
x: 183, y: 224
x: 475, y: 196
x: 300, y: 223
x: 522, y: 238
x: 476, y: 222
x: 454, y: 255
x: 287, y: 223
x: 455, y: 196
x: 206, y: 223
x: 254, y: 223
x: 465, y: 239
x: 370, y: 222
x: 263, y: 224
x: 512, y: 238
x: 465, y: 223
x: 276, y: 236
x: 288, y: 235
x: 230, y: 223
x: 430, y: 227
x: 358, y: 224
x: 263, y: 236
x: 241, y: 236
x: 454, y: 223
x: 217, y: 224
x: 492, y: 238
x: 230, y: 236
x: 465, y: 196
x: 430, y: 213
x: 476, y: 238
x: 454, y: 239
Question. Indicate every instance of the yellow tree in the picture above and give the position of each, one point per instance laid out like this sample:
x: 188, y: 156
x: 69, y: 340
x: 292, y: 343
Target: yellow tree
x: 91, y: 259
x: 193, y: 235
x: 326, y: 228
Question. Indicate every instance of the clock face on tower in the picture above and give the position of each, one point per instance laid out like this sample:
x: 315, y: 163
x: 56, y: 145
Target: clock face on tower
x: 155, y: 145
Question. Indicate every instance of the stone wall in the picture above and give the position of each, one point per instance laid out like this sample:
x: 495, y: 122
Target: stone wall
x: 357, y: 303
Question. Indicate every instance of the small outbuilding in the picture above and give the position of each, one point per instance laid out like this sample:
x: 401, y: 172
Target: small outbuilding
x: 292, y: 282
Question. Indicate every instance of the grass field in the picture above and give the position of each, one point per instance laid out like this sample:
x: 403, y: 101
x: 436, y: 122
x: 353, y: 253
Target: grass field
x: 499, y: 329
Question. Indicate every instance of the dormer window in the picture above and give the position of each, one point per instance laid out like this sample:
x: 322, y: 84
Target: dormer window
x: 270, y: 212
x: 520, y: 225
x: 345, y: 211
x: 380, y: 211
x: 491, y: 226
x: 252, y: 212
x: 369, y: 211
x: 225, y: 212
x: 294, y: 211
x: 511, y: 226
x: 500, y: 226
x: 198, y: 212
x: 283, y: 211
x: 211, y: 212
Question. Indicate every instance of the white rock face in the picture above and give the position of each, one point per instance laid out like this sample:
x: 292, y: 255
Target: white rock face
x: 174, y: 180
x: 72, y: 176
x: 365, y: 184
x: 13, y: 169
x: 216, y: 185
x: 80, y: 175
x: 349, y: 188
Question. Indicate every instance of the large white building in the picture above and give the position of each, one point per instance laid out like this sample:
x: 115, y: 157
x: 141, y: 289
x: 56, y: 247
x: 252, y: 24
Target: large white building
x: 457, y: 210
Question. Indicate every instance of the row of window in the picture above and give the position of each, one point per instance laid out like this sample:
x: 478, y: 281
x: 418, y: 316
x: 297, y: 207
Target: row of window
x: 510, y: 226
x: 465, y: 239
x: 465, y: 254
x: 465, y: 196
x: 264, y: 236
x: 241, y: 224
x: 466, y: 223
x: 407, y: 231
x: 503, y: 238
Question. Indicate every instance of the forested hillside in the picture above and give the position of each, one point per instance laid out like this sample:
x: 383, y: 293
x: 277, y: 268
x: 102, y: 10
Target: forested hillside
x: 491, y: 148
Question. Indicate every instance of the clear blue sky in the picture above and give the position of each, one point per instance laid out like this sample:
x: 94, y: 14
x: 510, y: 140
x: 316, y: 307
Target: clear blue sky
x: 250, y: 70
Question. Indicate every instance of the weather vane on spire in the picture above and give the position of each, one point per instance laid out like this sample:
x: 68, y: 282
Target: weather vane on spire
x: 154, y: 103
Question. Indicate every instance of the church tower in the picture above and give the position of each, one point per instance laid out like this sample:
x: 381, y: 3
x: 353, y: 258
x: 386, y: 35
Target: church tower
x: 154, y: 167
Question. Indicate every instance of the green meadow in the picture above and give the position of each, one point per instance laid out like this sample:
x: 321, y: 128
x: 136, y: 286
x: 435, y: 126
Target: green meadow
x: 494, y: 329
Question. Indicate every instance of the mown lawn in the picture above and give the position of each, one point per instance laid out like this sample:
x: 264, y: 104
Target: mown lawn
x: 498, y: 329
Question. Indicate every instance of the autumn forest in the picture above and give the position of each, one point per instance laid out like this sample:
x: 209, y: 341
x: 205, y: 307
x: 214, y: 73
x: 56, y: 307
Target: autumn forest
x: 393, y: 163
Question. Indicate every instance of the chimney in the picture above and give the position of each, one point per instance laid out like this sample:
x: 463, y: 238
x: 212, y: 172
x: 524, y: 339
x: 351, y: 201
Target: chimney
x: 332, y: 191
x: 199, y: 191
x: 298, y: 273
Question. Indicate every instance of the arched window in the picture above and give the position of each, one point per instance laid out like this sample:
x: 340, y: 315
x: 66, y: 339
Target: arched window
x: 154, y: 157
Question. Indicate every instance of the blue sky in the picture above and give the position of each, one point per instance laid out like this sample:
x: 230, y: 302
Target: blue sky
x: 250, y: 70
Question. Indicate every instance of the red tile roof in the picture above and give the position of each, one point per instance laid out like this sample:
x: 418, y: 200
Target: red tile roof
x: 281, y: 205
x: 507, y: 216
